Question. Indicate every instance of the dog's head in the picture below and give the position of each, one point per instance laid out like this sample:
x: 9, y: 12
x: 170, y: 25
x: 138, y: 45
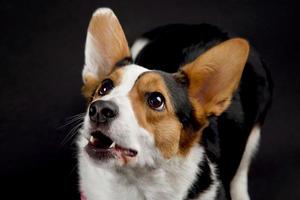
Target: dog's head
x: 139, y: 117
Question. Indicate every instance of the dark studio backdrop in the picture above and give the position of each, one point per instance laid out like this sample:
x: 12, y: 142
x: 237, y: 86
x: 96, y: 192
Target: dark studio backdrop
x: 42, y: 46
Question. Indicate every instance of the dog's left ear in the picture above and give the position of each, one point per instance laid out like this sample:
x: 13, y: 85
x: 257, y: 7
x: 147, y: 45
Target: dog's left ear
x: 106, y: 45
x: 214, y: 76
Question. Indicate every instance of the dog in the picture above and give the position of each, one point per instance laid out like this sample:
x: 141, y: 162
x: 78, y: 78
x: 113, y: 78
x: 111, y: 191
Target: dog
x: 178, y: 116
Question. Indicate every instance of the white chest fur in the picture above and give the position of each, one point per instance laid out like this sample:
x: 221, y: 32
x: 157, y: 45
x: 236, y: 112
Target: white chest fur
x: 169, y: 181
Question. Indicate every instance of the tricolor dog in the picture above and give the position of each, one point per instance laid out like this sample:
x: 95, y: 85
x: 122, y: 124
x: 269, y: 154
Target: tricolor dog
x: 176, y: 117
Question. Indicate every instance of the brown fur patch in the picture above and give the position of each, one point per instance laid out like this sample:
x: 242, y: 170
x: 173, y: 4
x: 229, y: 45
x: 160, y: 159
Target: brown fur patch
x: 89, y: 90
x: 170, y: 137
x: 162, y: 124
x: 116, y: 76
x: 215, y: 75
x: 188, y: 138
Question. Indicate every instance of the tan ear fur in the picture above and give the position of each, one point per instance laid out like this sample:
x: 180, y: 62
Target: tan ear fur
x: 215, y: 75
x: 89, y: 87
x: 106, y: 44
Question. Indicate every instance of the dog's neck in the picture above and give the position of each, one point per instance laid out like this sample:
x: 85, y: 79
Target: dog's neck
x: 142, y: 183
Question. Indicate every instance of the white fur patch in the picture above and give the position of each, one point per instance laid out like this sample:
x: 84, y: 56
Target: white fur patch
x: 103, y: 11
x: 137, y: 46
x: 92, y: 58
x: 169, y: 181
x: 239, y: 184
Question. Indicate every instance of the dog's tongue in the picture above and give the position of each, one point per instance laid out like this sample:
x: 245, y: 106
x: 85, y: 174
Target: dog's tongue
x: 100, y: 141
x: 126, y: 152
x: 82, y: 196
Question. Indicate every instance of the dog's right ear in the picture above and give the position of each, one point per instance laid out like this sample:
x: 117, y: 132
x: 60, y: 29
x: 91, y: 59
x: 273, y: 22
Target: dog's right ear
x: 106, y: 45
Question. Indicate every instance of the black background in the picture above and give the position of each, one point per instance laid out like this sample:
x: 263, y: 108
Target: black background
x: 41, y: 58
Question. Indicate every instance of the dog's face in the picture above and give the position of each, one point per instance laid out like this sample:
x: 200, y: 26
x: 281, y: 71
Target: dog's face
x: 140, y: 117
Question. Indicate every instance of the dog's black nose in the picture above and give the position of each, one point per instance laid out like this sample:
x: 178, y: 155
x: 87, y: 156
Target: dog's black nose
x: 103, y: 111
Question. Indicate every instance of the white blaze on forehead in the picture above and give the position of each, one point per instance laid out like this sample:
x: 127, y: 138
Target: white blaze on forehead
x: 129, y: 77
x: 125, y: 129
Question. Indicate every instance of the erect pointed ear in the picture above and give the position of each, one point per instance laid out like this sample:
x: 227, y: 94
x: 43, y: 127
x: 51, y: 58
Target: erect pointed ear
x: 214, y: 76
x: 106, y: 44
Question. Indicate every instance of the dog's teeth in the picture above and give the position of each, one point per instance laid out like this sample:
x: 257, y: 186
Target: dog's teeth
x: 112, y: 145
x: 92, y: 139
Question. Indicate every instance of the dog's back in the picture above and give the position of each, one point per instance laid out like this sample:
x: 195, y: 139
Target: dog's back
x: 231, y: 139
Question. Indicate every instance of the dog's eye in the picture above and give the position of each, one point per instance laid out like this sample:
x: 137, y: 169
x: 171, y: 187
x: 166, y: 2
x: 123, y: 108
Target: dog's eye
x: 156, y: 101
x: 106, y: 86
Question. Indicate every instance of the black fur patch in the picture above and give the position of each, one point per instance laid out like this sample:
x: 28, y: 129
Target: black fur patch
x: 203, y: 180
x: 124, y: 61
x: 173, y: 45
x: 183, y: 108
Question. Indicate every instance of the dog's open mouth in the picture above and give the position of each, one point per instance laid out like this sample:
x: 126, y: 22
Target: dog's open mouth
x: 102, y: 147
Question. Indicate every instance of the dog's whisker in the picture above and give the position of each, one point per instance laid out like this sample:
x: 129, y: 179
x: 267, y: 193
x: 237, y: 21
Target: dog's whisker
x: 71, y: 133
x: 72, y: 119
x: 73, y: 169
x: 80, y: 115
